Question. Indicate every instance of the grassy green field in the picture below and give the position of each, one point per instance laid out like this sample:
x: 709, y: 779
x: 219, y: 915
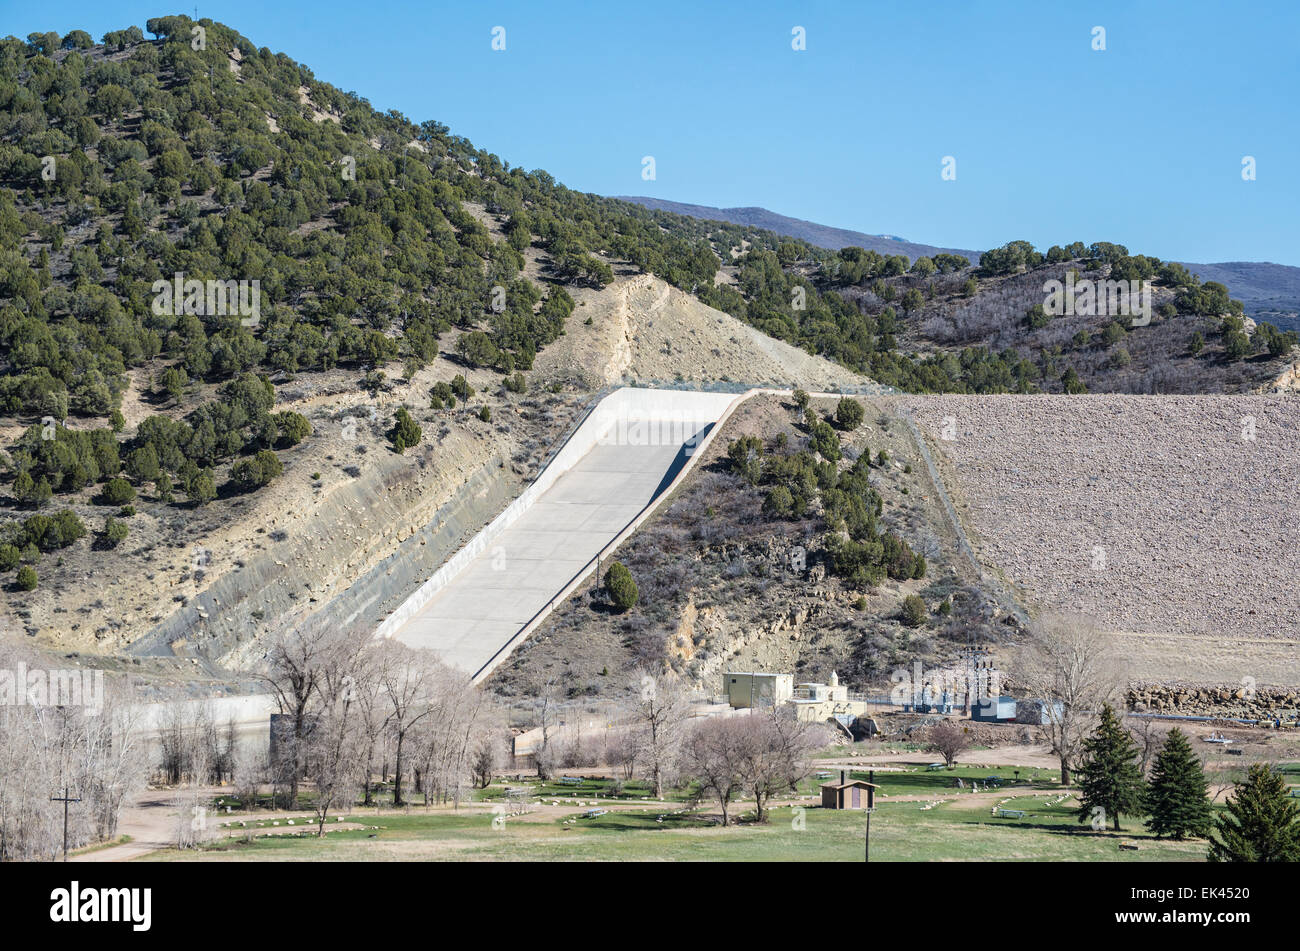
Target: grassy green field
x: 900, y: 832
x: 915, y: 781
x: 958, y: 825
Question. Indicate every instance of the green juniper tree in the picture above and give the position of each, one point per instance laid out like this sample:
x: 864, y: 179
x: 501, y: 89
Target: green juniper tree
x: 1261, y: 823
x: 202, y: 489
x: 849, y: 413
x: 1110, y: 782
x: 801, y: 400
x: 746, y: 457
x: 620, y: 586
x: 115, y: 532
x: 914, y: 611
x: 1176, y: 800
x: 1071, y: 383
x: 823, y: 439
x: 406, y: 432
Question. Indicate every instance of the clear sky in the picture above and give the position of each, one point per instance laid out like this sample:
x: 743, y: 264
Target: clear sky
x: 1140, y: 144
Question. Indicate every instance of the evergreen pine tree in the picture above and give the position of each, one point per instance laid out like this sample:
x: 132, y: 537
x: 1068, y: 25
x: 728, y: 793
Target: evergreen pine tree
x: 1176, y: 800
x: 1109, y: 777
x: 1261, y: 824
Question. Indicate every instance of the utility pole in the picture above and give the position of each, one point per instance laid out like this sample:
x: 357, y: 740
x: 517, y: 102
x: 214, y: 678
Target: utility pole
x: 867, y: 838
x: 65, y: 800
x: 871, y: 807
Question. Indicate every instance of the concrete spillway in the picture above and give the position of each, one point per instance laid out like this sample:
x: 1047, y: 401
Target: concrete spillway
x: 633, y: 448
x: 491, y: 594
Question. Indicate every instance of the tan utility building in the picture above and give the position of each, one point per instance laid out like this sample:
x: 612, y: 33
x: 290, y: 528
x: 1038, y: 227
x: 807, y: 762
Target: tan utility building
x: 746, y: 690
x: 817, y: 703
x: 811, y: 702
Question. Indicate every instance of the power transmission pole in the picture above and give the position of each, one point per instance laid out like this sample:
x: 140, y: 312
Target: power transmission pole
x: 65, y: 800
x: 871, y: 807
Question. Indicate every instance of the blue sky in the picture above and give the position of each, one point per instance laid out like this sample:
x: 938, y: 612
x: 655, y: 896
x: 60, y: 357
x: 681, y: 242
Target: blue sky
x: 1141, y: 144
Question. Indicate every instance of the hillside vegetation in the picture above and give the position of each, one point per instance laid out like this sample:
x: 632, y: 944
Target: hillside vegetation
x: 942, y: 325
x: 1268, y: 291
x: 191, y: 224
x: 223, y: 464
x: 808, y: 539
x: 134, y: 166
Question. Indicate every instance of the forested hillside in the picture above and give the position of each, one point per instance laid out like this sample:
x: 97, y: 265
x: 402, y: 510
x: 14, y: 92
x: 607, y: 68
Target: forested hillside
x: 991, y: 328
x: 938, y: 324
x: 136, y: 163
x: 229, y: 162
x: 132, y: 167
x: 1268, y: 291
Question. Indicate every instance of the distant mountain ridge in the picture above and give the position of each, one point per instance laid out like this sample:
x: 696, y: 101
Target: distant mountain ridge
x: 1270, y: 291
x: 823, y: 236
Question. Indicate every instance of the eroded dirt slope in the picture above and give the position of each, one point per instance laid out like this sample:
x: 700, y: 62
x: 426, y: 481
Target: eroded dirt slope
x: 645, y: 330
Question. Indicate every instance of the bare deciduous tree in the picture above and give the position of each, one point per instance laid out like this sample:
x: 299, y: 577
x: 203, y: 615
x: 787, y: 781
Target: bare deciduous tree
x: 1225, y: 777
x: 949, y: 739
x: 624, y: 751
x: 114, y: 762
x: 546, y: 755
x: 250, y: 773
x: 776, y: 754
x: 711, y: 754
x: 1068, y: 667
x: 373, y: 713
x: 295, y: 664
x: 487, y: 757
x: 1149, y: 736
x: 190, y: 734
x: 460, y: 716
x: 92, y: 750
x: 659, y: 710
x: 406, y: 679
x: 337, y: 738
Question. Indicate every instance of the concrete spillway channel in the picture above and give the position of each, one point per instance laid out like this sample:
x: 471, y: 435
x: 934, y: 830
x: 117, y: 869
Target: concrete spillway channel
x: 486, y: 599
x: 633, y: 448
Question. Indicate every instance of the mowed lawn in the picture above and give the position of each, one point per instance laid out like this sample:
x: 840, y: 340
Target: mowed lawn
x: 961, y: 827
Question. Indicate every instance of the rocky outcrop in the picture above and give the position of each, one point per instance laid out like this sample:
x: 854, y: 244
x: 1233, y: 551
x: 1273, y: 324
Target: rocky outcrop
x: 1288, y: 381
x: 1243, y: 701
